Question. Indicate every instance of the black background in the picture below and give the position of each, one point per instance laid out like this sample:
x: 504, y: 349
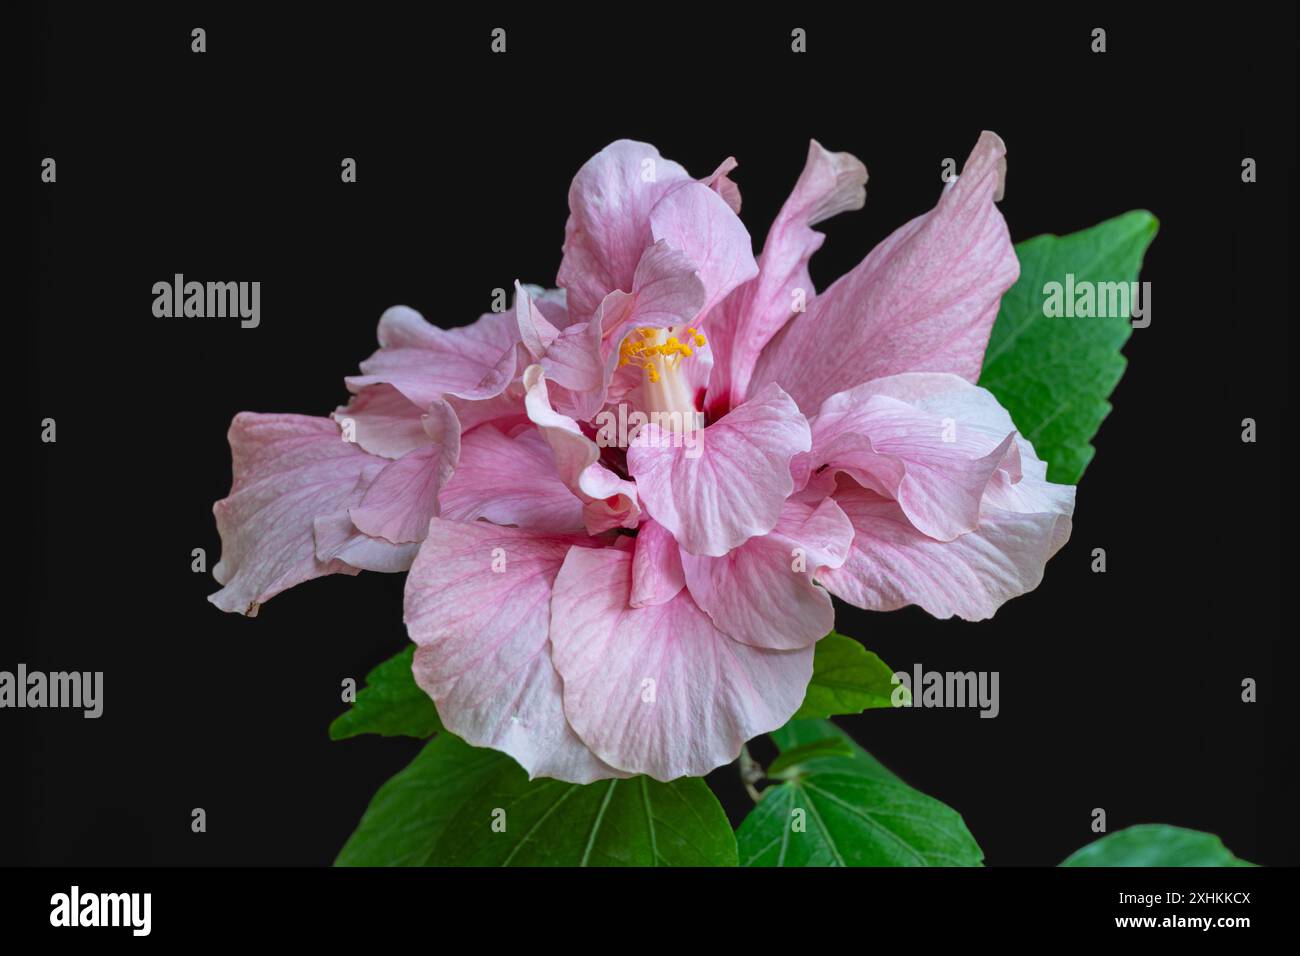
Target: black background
x: 1119, y: 690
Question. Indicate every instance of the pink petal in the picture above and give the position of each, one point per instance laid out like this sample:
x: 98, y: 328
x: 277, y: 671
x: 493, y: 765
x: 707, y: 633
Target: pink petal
x: 609, y: 220
x: 478, y: 605
x: 923, y: 300
x: 609, y: 501
x: 660, y: 690
x: 337, y: 539
x: 288, y: 470
x: 943, y: 393
x: 1034, y: 494
x: 571, y: 354
x: 936, y: 466
x: 666, y: 292
x: 535, y: 330
x: 383, y: 421
x: 666, y: 289
x: 762, y: 593
x: 615, y: 310
x: 721, y: 183
x: 510, y: 481
x: 575, y: 367
x: 972, y: 409
x: 891, y: 564
x: 505, y: 410
x: 1017, y: 500
x: 399, y: 503
x: 830, y: 183
x: 656, y: 566
x: 426, y: 363
x: 552, y: 303
x: 731, y: 486
x: 696, y: 220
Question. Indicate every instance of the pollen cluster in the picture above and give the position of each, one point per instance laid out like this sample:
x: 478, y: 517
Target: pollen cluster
x: 657, y: 350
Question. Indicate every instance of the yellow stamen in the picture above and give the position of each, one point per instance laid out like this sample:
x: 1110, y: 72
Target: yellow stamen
x: 657, y: 351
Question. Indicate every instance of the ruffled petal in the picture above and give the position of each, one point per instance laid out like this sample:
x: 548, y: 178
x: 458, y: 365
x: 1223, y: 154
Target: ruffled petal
x: 552, y: 303
x: 404, y: 496
x: 923, y: 300
x: 830, y: 183
x: 762, y: 593
x: 572, y: 358
x: 660, y: 690
x: 505, y: 410
x: 609, y: 220
x: 721, y: 183
x: 730, y: 486
x: 608, y: 500
x: 426, y: 363
x: 478, y: 605
x: 510, y: 481
x: 383, y: 421
x: 666, y: 289
x: 656, y: 566
x: 936, y: 466
x: 536, y: 331
x: 698, y: 221
x: 891, y: 564
x: 288, y: 471
x: 337, y: 539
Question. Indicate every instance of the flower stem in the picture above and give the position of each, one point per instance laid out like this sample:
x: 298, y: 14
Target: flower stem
x: 750, y: 774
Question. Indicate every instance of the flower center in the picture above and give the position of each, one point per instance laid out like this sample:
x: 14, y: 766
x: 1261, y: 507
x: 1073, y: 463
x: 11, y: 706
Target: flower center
x: 660, y: 353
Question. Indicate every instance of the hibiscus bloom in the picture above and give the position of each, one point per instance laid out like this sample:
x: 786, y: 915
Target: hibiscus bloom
x: 599, y: 601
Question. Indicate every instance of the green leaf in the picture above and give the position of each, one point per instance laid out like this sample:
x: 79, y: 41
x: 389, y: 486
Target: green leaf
x: 849, y: 811
x: 457, y: 805
x: 1155, y: 844
x: 1055, y: 375
x: 847, y: 679
x: 391, y: 704
x: 407, y: 817
x: 798, y: 733
x: 636, y: 822
x: 791, y: 762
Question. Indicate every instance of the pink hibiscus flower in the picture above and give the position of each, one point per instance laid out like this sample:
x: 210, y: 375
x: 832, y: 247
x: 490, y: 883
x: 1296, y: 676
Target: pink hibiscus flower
x: 625, y: 504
